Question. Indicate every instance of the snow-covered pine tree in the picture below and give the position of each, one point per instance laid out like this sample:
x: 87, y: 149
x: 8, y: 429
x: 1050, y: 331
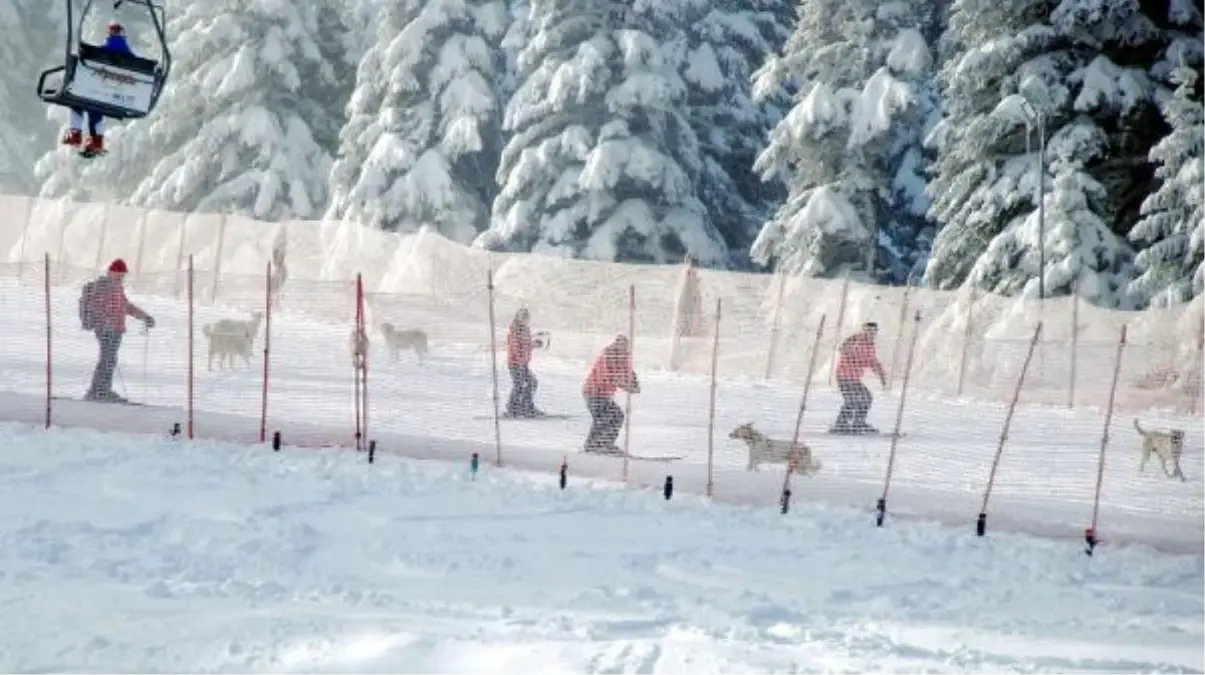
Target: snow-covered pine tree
x: 1090, y: 258
x: 1095, y: 111
x: 518, y: 34
x: 725, y: 43
x: 33, y: 43
x: 601, y: 162
x: 421, y: 144
x: 249, y: 119
x: 1172, y: 230
x: 850, y: 150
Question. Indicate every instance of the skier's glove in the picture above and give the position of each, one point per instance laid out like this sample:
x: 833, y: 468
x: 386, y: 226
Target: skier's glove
x: 149, y: 322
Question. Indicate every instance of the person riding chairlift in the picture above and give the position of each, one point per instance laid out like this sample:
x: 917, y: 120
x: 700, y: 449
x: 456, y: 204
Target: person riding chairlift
x: 116, y: 43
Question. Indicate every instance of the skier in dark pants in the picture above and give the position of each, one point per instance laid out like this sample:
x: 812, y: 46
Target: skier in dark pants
x: 611, y: 372
x: 103, y: 310
x: 857, y: 354
x: 519, y: 345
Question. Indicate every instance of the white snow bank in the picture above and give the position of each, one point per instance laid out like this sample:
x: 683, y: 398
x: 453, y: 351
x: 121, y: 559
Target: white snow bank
x: 120, y: 554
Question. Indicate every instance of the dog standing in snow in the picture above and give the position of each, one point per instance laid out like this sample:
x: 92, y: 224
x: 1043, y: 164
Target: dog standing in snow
x: 229, y: 338
x: 765, y: 450
x: 398, y: 341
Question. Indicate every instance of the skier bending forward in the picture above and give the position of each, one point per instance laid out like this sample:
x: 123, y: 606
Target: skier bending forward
x: 856, y: 357
x: 612, y: 371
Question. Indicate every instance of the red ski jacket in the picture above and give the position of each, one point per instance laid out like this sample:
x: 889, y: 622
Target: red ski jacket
x: 518, y: 344
x: 856, y: 357
x: 612, y: 371
x: 110, y: 306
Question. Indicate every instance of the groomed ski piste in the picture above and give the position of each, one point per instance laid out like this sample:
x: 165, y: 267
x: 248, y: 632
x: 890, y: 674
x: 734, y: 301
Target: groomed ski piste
x: 441, y: 409
x: 124, y: 553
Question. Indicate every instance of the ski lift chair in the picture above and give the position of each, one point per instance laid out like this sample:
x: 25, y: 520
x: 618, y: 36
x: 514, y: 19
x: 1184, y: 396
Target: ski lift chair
x: 118, y: 86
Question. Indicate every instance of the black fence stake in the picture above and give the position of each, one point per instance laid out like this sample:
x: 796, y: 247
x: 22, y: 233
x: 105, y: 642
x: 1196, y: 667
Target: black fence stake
x: 981, y: 524
x: 372, y: 451
x: 669, y: 488
x: 275, y: 441
x: 880, y: 512
x: 564, y: 474
x: 785, y: 501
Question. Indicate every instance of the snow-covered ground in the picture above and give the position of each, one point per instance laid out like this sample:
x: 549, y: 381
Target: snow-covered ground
x: 123, y: 553
x: 442, y: 409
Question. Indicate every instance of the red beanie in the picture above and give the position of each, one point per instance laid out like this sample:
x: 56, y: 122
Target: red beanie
x: 119, y: 266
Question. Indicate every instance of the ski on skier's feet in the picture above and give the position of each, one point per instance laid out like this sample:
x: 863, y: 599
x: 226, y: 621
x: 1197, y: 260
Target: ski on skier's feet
x: 106, y: 401
x: 616, y: 452
x: 867, y: 433
x: 655, y: 458
x: 546, y: 416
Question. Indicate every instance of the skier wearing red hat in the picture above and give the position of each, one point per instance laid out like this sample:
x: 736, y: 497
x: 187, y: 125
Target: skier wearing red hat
x: 103, y: 308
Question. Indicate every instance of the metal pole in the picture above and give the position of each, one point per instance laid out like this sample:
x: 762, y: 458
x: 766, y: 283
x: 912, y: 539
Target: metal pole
x: 1041, y: 205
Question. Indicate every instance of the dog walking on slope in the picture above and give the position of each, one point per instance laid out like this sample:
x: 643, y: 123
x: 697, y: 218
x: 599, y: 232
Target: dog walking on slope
x: 766, y: 450
x: 1168, y: 446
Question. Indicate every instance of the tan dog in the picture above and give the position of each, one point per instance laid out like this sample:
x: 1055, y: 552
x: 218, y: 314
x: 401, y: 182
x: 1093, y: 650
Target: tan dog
x: 1167, y: 445
x: 229, y: 338
x: 358, y: 346
x: 398, y: 341
x: 765, y: 450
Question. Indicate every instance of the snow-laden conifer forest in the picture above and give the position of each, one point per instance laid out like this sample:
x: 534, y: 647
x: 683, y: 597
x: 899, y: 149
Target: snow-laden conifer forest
x: 895, y: 141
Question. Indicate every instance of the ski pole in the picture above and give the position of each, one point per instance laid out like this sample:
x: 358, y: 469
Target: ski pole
x: 146, y: 348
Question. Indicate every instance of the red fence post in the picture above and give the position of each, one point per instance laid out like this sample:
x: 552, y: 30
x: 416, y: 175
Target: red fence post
x: 46, y: 287
x: 263, y: 404
x: 191, y: 331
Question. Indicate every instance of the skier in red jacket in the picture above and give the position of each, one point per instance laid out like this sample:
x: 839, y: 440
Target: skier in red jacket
x: 857, y: 355
x: 103, y: 310
x: 611, y: 372
x: 519, y: 345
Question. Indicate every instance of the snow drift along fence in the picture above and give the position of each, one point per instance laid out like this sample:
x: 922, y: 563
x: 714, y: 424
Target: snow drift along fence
x: 971, y: 344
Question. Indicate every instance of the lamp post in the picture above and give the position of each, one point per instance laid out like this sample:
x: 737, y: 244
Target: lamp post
x: 1029, y: 105
x: 1034, y: 116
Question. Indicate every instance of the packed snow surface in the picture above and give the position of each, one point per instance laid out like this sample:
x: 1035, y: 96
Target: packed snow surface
x: 127, y: 553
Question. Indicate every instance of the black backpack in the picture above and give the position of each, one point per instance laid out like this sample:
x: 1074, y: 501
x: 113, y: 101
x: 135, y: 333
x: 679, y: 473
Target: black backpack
x: 87, y: 316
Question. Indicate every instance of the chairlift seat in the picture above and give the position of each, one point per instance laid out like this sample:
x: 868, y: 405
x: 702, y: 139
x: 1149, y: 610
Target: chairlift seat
x: 89, y: 52
x: 116, y: 85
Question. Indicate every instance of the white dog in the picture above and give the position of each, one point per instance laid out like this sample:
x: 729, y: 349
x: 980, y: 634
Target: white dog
x: 358, y: 346
x: 229, y: 338
x: 765, y: 450
x: 1167, y: 445
x: 398, y: 341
